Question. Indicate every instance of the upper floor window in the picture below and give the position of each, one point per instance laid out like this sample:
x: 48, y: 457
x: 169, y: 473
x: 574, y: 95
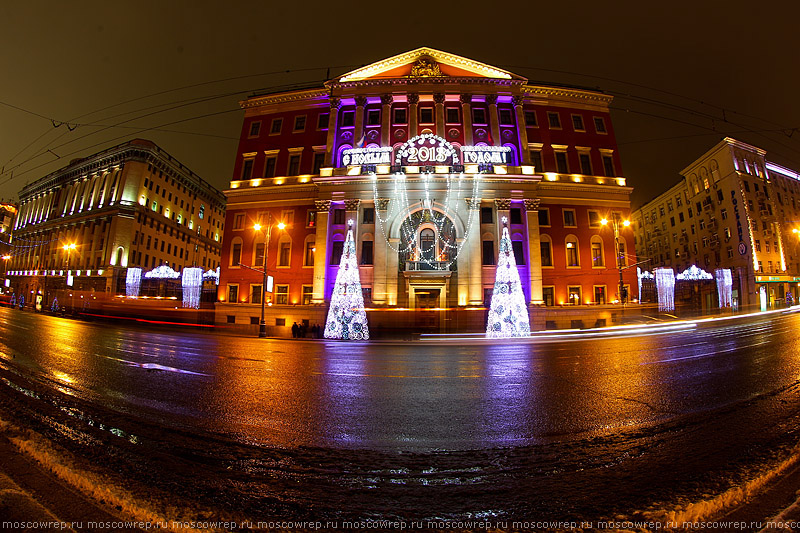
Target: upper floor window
x: 577, y: 123
x: 400, y: 116
x: 299, y: 123
x: 452, y: 116
x: 294, y: 165
x: 600, y: 125
x: 479, y: 116
x: 322, y: 121
x: 554, y: 119
x: 277, y: 124
x: 608, y: 165
x: 536, y: 160
x: 247, y: 169
x: 374, y: 117
x: 506, y: 117
x: 561, y: 163
x: 569, y: 218
x: 530, y: 119
x: 426, y: 115
x: 255, y: 128
x: 348, y: 119
x: 586, y: 163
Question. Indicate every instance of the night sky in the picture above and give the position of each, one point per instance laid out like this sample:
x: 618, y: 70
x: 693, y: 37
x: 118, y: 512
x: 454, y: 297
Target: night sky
x: 81, y: 76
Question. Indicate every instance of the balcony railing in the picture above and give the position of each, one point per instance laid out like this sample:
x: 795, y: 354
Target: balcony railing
x: 416, y: 266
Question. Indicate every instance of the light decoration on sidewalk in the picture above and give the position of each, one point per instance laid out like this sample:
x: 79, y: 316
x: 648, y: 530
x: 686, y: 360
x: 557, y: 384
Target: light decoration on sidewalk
x: 212, y: 274
x: 162, y: 272
x: 508, y: 314
x: 192, y: 285
x: 642, y: 274
x: 133, y: 281
x: 347, y: 319
x: 693, y: 274
x: 665, y: 286
x: 724, y: 287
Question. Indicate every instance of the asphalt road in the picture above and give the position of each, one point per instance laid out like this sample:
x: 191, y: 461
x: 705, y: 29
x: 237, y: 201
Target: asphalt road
x: 582, y: 427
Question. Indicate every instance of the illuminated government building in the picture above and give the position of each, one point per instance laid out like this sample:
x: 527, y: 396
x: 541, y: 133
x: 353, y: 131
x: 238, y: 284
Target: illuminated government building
x: 428, y: 154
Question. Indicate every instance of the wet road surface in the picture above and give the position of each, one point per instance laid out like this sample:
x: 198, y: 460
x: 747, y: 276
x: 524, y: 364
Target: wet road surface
x: 581, y: 429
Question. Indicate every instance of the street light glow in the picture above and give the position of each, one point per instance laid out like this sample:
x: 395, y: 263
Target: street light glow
x: 257, y: 227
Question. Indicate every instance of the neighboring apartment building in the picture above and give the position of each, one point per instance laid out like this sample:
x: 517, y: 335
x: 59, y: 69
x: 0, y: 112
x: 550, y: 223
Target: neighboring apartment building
x: 732, y: 210
x: 8, y: 213
x: 132, y: 205
x: 426, y: 152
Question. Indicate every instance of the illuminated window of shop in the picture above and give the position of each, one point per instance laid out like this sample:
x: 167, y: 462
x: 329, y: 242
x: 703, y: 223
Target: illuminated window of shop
x: 549, y: 296
x: 574, y: 295
x: 308, y: 294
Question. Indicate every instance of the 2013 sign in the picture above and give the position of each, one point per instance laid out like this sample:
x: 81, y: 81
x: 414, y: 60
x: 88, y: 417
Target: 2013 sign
x: 426, y: 149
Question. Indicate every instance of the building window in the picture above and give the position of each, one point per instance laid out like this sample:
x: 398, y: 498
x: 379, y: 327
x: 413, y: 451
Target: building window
x: 366, y: 252
x: 536, y: 160
x: 348, y: 119
x: 554, y: 119
x: 488, y: 252
x: 233, y: 294
x: 586, y: 164
x: 322, y: 121
x: 577, y: 123
x: 600, y: 294
x: 530, y: 119
x: 597, y: 254
x: 338, y: 216
x: 238, y: 221
x: 275, y: 128
x: 547, y: 255
x: 308, y: 259
x: 374, y: 117
x: 282, y: 294
x: 258, y: 260
x: 561, y: 163
x: 569, y: 218
x: 574, y: 294
x: 594, y: 219
x: 255, y: 128
x: 426, y: 115
x: 308, y: 294
x: 622, y: 258
x: 519, y: 254
x: 311, y: 218
x: 247, y: 169
x: 368, y: 215
x: 299, y: 123
x: 287, y: 217
x: 269, y: 167
x: 319, y: 162
x: 544, y: 217
x: 572, y: 252
x: 336, y: 252
x: 600, y: 125
x: 479, y: 116
x: 516, y: 215
x: 452, y: 116
x: 400, y: 116
x: 294, y: 165
x: 608, y: 166
x: 549, y: 296
x: 284, y: 254
x: 506, y: 117
x: 486, y: 215
x: 255, y: 294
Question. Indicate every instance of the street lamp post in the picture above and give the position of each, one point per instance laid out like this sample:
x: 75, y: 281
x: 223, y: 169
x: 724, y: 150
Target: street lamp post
x: 615, y: 223
x: 262, y: 326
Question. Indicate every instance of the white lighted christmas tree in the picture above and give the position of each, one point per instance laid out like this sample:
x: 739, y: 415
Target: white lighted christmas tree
x: 508, y: 314
x: 347, y: 319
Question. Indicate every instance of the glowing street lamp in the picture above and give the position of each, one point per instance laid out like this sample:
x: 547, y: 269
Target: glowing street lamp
x: 616, y: 223
x: 262, y: 326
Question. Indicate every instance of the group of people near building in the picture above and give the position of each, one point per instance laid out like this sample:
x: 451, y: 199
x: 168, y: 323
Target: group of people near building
x: 302, y: 331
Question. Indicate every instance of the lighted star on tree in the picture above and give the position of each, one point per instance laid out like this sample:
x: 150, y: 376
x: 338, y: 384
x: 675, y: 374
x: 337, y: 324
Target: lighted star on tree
x: 508, y: 313
x: 347, y: 319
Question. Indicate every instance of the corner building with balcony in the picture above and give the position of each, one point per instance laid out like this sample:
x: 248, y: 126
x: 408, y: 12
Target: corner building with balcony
x: 427, y: 153
x: 132, y: 205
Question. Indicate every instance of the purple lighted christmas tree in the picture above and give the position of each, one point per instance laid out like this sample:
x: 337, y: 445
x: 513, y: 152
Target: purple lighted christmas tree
x: 347, y: 319
x: 508, y: 314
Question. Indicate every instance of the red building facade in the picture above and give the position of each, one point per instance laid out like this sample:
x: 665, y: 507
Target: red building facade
x: 427, y: 153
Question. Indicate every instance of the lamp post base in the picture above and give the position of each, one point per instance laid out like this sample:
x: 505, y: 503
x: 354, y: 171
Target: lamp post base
x: 262, y: 329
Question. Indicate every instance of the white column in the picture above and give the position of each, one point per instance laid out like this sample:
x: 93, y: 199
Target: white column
x: 333, y: 120
x: 379, y: 274
x: 534, y: 251
x: 321, y: 250
x: 474, y: 246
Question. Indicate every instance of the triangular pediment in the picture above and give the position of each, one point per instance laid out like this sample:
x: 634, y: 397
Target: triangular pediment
x: 427, y: 63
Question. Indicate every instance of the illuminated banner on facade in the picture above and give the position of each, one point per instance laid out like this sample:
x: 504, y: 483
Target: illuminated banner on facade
x: 367, y: 156
x: 493, y: 155
x: 427, y: 149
